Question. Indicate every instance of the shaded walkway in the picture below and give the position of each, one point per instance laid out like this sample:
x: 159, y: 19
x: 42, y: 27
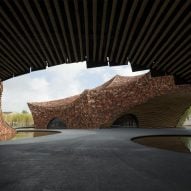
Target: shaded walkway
x: 97, y: 160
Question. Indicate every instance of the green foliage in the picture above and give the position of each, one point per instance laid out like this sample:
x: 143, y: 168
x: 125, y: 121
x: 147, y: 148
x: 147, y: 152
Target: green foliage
x: 24, y: 111
x: 15, y: 120
x: 184, y: 117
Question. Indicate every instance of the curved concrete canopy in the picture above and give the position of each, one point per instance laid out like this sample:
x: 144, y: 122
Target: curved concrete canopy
x: 151, y: 34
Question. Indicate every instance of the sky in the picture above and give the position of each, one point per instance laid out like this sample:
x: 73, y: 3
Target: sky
x: 56, y: 82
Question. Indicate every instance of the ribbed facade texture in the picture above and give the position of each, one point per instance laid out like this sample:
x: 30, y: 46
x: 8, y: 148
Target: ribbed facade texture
x: 156, y: 102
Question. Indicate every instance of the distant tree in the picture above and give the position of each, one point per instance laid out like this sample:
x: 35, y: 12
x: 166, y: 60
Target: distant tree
x: 24, y: 111
x: 184, y: 117
x: 23, y: 119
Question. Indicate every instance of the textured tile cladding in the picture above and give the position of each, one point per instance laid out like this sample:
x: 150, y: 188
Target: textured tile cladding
x: 100, y: 107
x: 5, y: 130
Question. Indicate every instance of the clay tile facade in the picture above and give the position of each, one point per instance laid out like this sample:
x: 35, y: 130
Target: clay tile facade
x: 5, y: 130
x: 145, y: 97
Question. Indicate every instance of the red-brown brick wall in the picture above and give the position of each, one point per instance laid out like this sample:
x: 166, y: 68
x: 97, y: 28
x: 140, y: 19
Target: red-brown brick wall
x: 5, y: 130
x: 100, y: 107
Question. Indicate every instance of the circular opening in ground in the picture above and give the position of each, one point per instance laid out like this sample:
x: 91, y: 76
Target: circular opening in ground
x: 178, y: 143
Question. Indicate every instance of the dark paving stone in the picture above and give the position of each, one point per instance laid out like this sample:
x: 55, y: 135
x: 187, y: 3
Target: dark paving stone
x: 94, y: 160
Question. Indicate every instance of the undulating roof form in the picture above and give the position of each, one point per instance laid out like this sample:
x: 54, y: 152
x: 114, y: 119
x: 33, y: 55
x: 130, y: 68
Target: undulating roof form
x: 156, y: 102
x: 152, y: 34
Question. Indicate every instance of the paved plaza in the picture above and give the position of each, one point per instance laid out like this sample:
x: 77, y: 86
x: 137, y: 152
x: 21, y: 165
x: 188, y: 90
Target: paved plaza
x: 93, y: 160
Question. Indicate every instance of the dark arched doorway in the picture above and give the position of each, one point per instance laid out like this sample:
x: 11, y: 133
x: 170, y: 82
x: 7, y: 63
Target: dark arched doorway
x: 128, y: 120
x: 56, y: 123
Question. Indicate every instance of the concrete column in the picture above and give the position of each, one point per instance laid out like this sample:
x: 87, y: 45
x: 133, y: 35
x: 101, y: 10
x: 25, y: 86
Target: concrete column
x: 5, y: 130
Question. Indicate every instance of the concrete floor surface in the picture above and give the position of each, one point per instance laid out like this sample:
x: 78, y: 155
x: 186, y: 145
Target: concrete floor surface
x: 93, y: 160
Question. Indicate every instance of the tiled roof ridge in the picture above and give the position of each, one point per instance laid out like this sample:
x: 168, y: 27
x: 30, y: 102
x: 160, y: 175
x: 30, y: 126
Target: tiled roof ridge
x: 113, y: 81
x: 117, y: 80
x: 69, y: 100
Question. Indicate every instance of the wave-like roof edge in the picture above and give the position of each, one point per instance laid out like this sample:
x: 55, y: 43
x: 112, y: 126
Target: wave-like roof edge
x: 117, y: 80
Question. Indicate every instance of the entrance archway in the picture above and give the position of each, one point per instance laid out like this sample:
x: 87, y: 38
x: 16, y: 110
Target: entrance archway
x: 127, y: 120
x: 56, y: 123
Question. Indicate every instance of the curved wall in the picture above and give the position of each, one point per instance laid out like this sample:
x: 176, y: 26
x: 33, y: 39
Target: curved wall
x: 162, y: 111
x: 4, y: 128
x: 100, y: 107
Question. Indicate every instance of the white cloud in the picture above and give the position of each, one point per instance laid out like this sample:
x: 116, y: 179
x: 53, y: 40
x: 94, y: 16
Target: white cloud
x: 55, y: 83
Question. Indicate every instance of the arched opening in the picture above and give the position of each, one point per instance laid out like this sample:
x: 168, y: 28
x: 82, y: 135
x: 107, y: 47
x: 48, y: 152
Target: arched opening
x: 128, y: 120
x: 56, y: 123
